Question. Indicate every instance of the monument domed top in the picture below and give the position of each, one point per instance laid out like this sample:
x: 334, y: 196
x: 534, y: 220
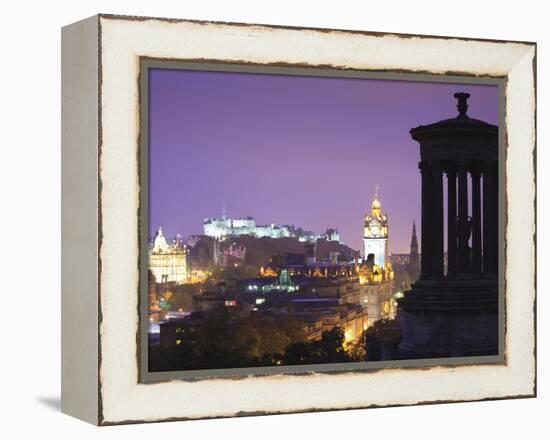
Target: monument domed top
x: 461, y: 125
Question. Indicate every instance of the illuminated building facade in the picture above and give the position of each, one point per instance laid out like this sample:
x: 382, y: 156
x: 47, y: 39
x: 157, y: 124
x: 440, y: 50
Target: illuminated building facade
x: 377, y: 284
x: 220, y: 228
x: 376, y: 272
x: 352, y: 319
x: 152, y: 291
x: 233, y: 254
x: 365, y: 284
x: 168, y: 261
x: 375, y: 233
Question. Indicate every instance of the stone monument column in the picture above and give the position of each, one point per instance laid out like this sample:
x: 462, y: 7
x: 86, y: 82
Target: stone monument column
x: 490, y: 218
x: 476, y: 220
x: 426, y: 246
x: 437, y: 214
x: 463, y: 222
x: 451, y: 219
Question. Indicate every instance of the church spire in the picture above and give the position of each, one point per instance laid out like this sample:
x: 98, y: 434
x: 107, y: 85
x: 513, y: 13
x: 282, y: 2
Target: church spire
x: 414, y: 257
x: 414, y: 240
x: 376, y: 205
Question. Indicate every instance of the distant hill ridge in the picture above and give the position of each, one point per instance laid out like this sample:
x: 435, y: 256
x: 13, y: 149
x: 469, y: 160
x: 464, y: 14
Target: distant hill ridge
x: 258, y: 250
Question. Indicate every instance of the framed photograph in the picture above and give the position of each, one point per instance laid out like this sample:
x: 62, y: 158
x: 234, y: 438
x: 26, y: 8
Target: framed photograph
x: 263, y: 220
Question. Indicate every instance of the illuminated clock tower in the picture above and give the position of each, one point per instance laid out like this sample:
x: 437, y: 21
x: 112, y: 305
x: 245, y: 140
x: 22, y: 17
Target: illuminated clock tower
x: 375, y: 233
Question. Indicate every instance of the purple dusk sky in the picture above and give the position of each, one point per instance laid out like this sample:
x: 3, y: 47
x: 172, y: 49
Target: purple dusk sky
x: 296, y: 150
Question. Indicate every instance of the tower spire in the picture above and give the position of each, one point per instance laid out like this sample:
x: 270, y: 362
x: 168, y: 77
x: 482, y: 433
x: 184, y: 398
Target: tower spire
x: 376, y: 206
x: 375, y: 237
x: 414, y: 257
x: 224, y: 216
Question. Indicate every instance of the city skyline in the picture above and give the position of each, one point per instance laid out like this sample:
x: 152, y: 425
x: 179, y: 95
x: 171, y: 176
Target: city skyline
x: 295, y: 150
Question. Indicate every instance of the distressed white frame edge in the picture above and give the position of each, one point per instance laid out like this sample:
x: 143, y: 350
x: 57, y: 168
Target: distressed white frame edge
x: 123, y: 399
x: 79, y: 219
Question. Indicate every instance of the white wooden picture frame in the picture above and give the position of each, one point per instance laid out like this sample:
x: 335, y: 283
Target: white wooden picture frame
x: 101, y: 380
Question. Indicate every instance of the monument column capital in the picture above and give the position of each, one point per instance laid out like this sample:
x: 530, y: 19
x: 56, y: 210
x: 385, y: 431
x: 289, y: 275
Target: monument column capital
x: 462, y: 165
x: 450, y: 169
x: 476, y: 169
x: 489, y: 167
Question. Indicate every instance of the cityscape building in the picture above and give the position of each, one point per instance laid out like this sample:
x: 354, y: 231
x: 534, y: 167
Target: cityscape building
x: 168, y: 261
x: 375, y: 233
x: 220, y: 228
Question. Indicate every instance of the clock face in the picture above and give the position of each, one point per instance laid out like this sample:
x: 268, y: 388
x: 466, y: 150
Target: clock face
x: 375, y: 227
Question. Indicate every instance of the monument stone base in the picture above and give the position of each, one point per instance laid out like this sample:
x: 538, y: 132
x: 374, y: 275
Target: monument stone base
x: 449, y: 317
